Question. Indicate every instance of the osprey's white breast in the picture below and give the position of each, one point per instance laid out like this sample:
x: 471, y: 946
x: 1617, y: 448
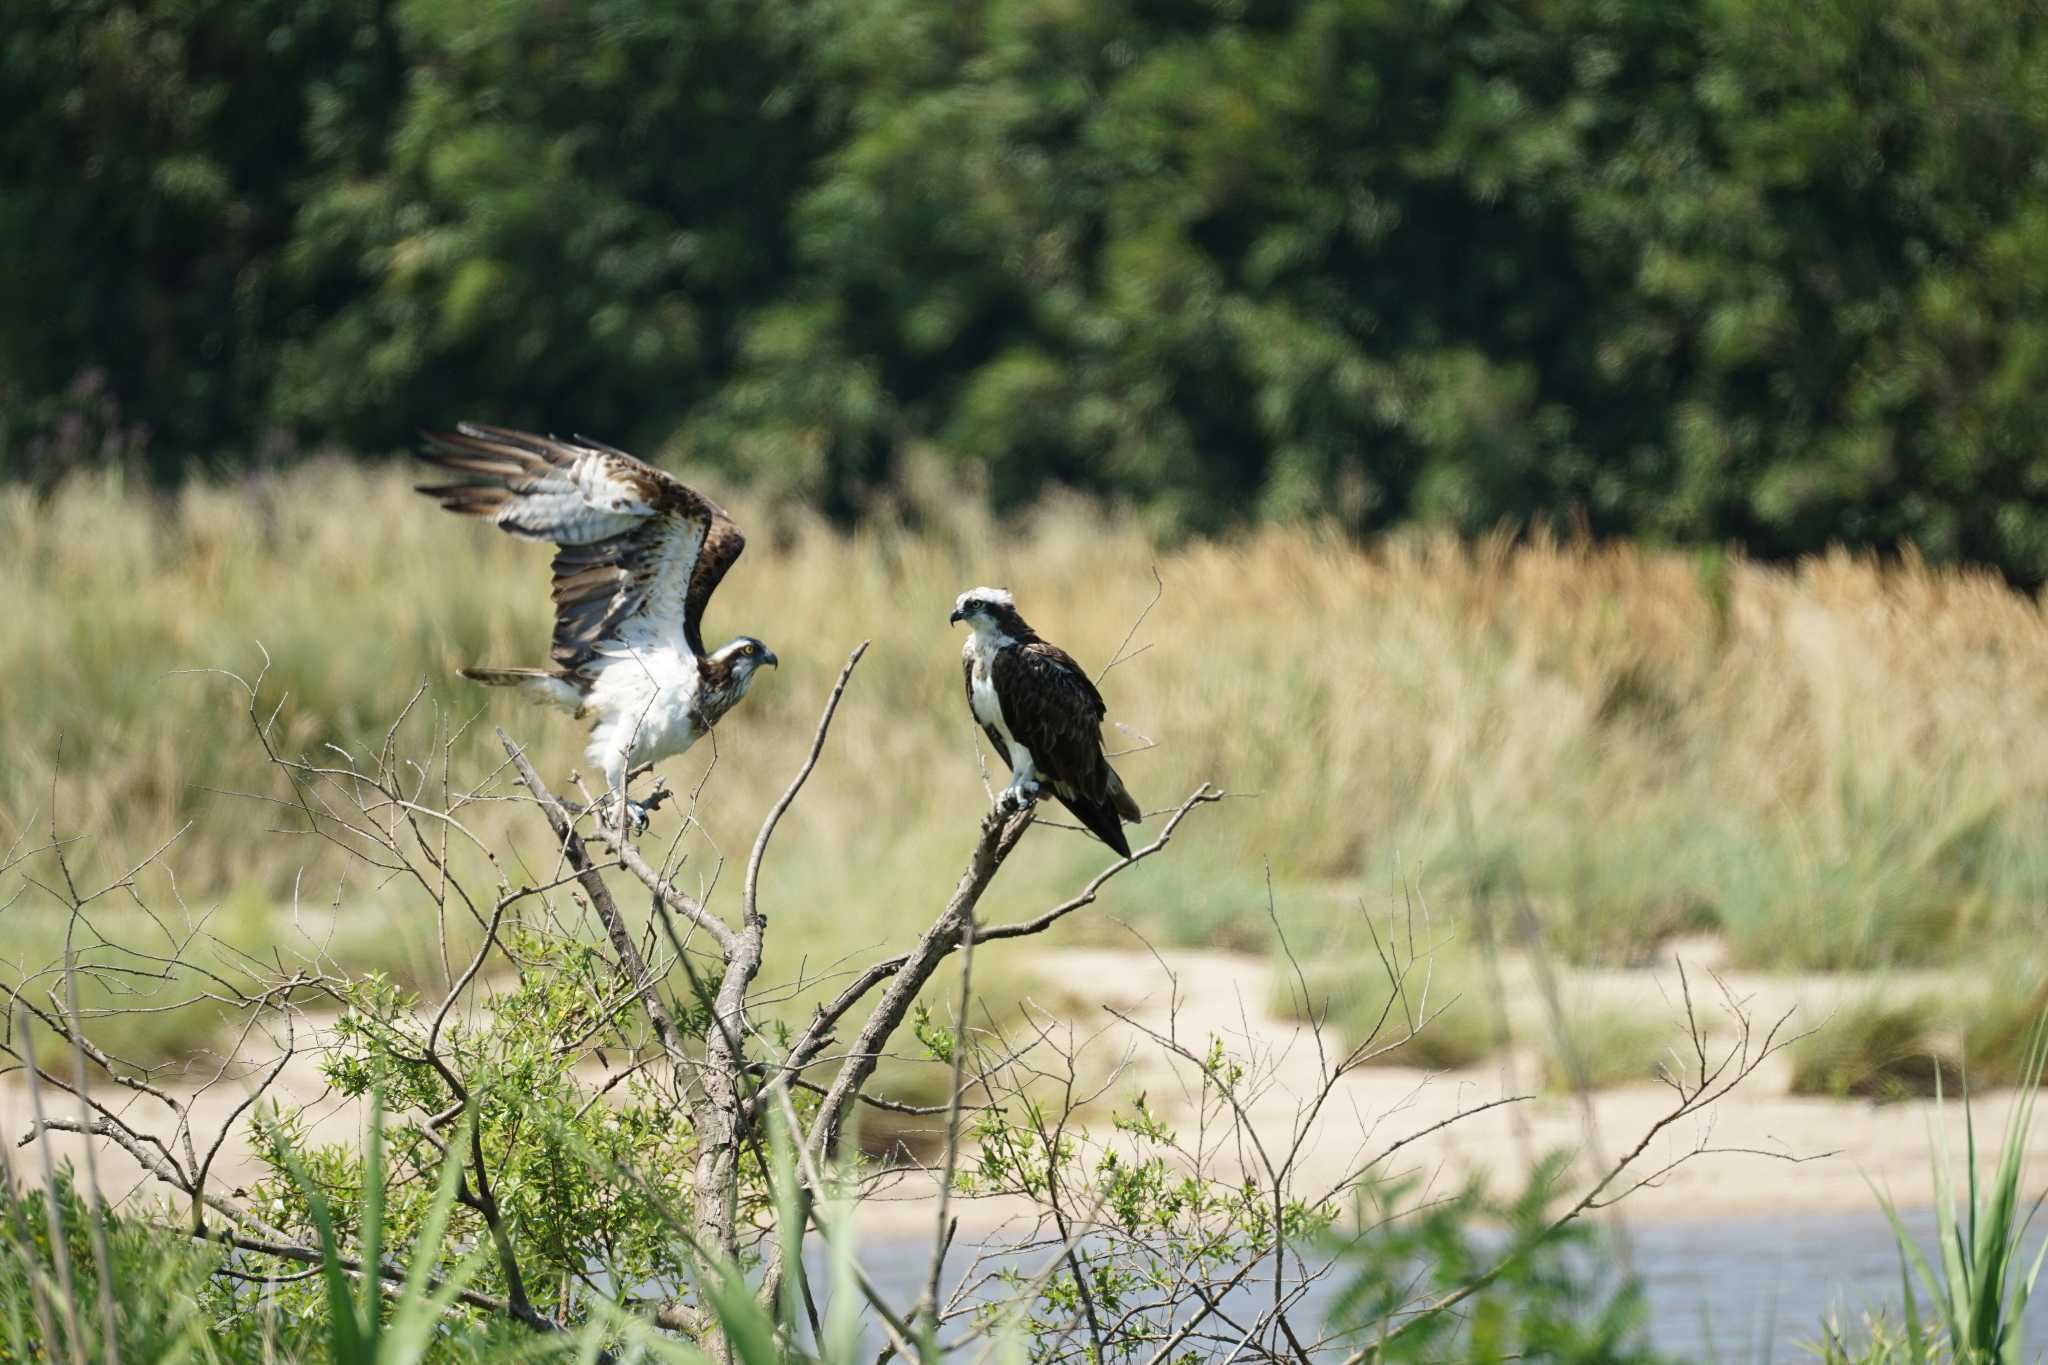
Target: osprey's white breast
x: 646, y: 703
x: 987, y: 707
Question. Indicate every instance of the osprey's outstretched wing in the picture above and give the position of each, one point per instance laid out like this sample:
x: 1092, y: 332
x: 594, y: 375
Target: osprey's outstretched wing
x: 1053, y: 709
x: 639, y: 552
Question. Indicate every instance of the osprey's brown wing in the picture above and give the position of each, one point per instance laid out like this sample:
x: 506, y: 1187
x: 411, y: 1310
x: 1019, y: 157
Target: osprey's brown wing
x: 722, y: 545
x: 1054, y: 711
x: 638, y: 552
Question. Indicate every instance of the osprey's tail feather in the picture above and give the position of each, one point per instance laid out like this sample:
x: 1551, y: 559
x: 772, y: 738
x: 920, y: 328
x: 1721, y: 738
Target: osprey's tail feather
x: 540, y: 684
x: 1125, y: 804
x: 1105, y: 815
x: 1100, y: 817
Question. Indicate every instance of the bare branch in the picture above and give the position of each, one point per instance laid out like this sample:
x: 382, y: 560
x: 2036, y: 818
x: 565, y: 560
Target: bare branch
x: 600, y: 898
x: 999, y: 836
x: 1202, y: 796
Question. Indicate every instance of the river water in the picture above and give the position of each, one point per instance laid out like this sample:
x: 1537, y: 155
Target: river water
x: 1738, y: 1291
x: 1755, y: 1289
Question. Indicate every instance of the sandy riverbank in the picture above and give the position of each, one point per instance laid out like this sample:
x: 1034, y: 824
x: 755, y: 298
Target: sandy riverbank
x: 1760, y: 1150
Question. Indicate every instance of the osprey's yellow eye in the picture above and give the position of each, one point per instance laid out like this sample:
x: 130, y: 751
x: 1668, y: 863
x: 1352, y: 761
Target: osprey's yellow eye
x: 746, y: 649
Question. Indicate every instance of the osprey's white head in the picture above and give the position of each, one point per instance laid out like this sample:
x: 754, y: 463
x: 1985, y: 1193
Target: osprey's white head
x: 729, y: 670
x: 975, y: 598
x: 991, y: 613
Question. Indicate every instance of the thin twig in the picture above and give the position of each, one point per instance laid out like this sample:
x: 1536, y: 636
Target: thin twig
x: 1158, y: 591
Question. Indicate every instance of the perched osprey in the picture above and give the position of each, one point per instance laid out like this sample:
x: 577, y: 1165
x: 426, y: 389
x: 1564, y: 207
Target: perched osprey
x: 1042, y: 714
x: 640, y: 554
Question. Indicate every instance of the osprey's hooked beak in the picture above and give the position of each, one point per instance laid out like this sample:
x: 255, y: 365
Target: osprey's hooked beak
x: 957, y: 617
x: 768, y: 659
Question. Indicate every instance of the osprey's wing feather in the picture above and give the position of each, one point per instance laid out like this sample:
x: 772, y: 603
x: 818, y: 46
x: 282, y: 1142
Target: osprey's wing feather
x: 1055, y: 712
x: 721, y: 546
x: 634, y: 544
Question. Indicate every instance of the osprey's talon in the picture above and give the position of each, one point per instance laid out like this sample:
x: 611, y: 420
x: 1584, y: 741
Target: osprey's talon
x: 636, y: 814
x: 1016, y: 799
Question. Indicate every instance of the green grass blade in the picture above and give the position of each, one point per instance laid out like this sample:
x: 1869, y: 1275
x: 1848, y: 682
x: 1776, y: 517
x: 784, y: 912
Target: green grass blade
x: 1951, y: 1293
x: 789, y: 1222
x: 412, y: 1322
x: 638, y: 1339
x: 2024, y: 1291
x: 1909, y: 1252
x: 748, y: 1328
x: 1997, y: 1243
x: 842, y: 1309
x: 345, y: 1339
x: 2005, y: 1228
x: 2012, y: 1177
x: 373, y: 1223
x: 1916, y: 1336
x: 591, y: 1346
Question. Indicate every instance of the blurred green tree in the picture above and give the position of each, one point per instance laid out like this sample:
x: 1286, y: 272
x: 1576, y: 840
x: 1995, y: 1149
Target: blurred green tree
x: 155, y: 154
x: 1694, y: 271
x: 573, y: 203
x: 1700, y: 270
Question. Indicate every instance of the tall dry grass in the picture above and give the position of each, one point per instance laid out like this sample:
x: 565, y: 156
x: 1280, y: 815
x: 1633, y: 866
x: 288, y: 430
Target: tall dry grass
x: 1833, y: 764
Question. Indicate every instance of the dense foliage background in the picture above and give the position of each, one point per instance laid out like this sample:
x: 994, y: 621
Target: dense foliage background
x: 1687, y: 269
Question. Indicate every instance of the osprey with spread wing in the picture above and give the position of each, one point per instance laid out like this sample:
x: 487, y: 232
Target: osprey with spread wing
x: 1043, y: 715
x: 639, y: 554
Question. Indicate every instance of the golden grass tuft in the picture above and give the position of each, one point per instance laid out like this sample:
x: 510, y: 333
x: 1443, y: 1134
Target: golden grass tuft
x: 1886, y: 1046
